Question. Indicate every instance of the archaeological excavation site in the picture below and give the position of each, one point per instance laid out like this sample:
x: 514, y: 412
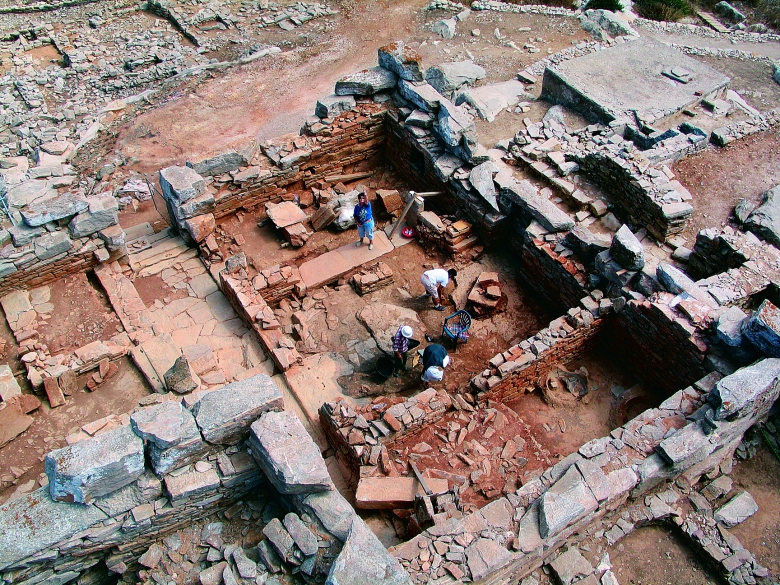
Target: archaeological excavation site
x: 389, y: 293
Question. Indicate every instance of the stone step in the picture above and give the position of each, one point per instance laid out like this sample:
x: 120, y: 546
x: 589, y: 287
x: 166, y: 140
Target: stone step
x: 148, y: 256
x: 164, y: 263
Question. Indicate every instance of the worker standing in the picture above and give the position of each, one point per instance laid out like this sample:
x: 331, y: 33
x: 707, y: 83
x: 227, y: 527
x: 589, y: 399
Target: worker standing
x: 364, y: 218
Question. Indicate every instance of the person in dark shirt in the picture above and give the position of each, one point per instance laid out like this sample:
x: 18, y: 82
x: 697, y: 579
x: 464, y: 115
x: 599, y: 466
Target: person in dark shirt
x: 435, y: 359
x: 364, y: 218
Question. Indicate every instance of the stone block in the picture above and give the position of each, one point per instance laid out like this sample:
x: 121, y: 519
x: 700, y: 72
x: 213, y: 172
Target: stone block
x: 224, y: 415
x: 747, y: 390
x: 304, y: 538
x: 66, y: 205
x: 448, y: 77
x: 366, y: 82
x: 627, y: 250
x: 364, y: 559
x: 402, y: 60
x: 331, y: 510
x: 485, y: 556
x: 729, y: 328
x: 220, y: 164
x: 181, y: 184
x: 525, y: 195
x: 564, y: 503
x: 103, y: 212
x: 95, y: 467
x: 288, y: 455
x: 191, y: 484
x: 180, y: 377
x: 201, y: 226
x: 172, y: 436
x: 686, y: 447
x: 570, y: 565
x: 334, y: 105
x: 736, y: 510
x: 9, y: 387
x: 762, y: 329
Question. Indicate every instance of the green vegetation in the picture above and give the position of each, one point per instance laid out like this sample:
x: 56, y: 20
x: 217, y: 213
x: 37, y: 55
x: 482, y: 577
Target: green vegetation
x: 770, y: 11
x: 612, y: 5
x: 663, y: 9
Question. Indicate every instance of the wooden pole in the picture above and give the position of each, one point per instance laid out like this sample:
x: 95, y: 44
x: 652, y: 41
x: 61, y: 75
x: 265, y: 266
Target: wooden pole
x: 409, y: 206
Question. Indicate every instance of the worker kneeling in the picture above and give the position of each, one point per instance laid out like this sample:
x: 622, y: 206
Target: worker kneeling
x: 435, y: 359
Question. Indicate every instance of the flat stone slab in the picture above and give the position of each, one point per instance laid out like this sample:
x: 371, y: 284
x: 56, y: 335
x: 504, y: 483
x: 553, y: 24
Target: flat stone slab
x: 224, y: 415
x: 736, y: 510
x: 387, y: 493
x: 747, y: 389
x: 95, y: 467
x: 763, y: 329
x: 485, y: 556
x: 315, y: 381
x: 332, y: 265
x: 191, y: 483
x: 34, y: 522
x: 568, y: 500
x: 288, y: 455
x: 285, y: 214
x: 570, y: 565
x: 382, y: 321
x: 365, y: 560
x: 366, y: 82
x: 610, y: 83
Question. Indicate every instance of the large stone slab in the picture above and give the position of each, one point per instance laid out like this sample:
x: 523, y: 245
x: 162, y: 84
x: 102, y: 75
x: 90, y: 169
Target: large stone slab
x: 763, y: 329
x: 736, y: 510
x: 222, y: 163
x: 364, y: 560
x: 525, y: 195
x: 190, y: 484
x: 366, y: 82
x: 333, y: 105
x: 171, y: 434
x: 285, y: 214
x: 9, y: 387
x: 383, y: 320
x: 34, y: 522
x: 29, y: 192
x: 481, y: 178
x: 330, y: 266
x: 490, y: 100
x: 13, y: 420
x: 748, y: 389
x: 142, y: 491
x: 66, y: 205
x: 331, y: 510
x: 52, y: 244
x: 485, y: 556
x: 95, y: 467
x: 568, y: 500
x: 677, y: 282
x: 570, y: 565
x: 224, y: 415
x: 388, y: 493
x: 288, y: 455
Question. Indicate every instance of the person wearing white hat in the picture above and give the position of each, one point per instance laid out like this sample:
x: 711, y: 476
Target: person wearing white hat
x: 435, y: 359
x: 401, y: 347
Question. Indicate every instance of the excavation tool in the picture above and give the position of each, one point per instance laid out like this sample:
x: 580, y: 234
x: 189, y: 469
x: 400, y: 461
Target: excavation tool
x: 427, y: 506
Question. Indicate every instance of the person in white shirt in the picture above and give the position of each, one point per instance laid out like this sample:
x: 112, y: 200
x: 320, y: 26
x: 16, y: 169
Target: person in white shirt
x: 435, y: 281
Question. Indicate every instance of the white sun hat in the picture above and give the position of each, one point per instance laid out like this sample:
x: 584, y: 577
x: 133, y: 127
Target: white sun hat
x: 406, y: 331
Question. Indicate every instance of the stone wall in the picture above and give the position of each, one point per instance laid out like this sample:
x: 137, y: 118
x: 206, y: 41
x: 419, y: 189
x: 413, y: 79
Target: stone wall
x: 112, y: 495
x: 663, y: 347
x: 61, y: 235
x: 513, y: 535
x: 518, y: 369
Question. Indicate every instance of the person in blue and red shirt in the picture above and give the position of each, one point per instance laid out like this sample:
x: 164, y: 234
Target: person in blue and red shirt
x: 364, y: 218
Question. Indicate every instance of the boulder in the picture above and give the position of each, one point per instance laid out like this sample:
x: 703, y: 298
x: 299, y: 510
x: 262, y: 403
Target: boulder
x: 224, y: 415
x: 171, y: 434
x: 288, y: 455
x: 570, y: 565
x: 364, y: 559
x: 627, y: 250
x: 96, y: 466
x: 727, y: 11
x: 764, y: 221
x: 613, y: 23
x: 401, y: 60
x: 367, y: 82
x: 762, y: 328
x: 181, y: 183
x: 445, y: 28
x: 333, y: 105
x: 180, y: 378
x: 449, y: 77
x: 66, y: 205
x: 736, y: 510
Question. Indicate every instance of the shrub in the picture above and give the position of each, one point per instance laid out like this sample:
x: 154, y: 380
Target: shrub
x: 663, y: 9
x: 770, y: 11
x: 612, y: 5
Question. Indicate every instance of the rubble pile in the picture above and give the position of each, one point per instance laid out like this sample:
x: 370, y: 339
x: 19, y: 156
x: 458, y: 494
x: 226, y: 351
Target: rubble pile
x: 450, y: 235
x: 486, y: 297
x: 360, y: 435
